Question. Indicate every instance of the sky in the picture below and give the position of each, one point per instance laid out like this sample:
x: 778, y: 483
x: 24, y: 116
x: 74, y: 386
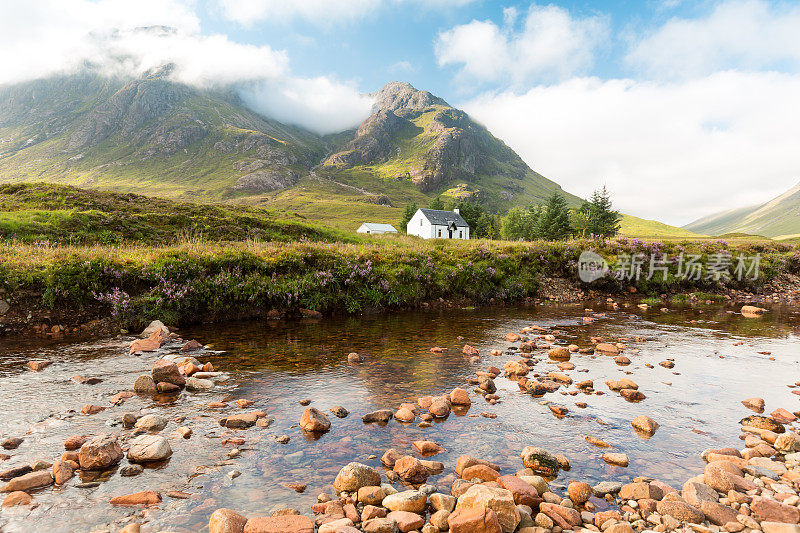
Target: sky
x: 681, y: 108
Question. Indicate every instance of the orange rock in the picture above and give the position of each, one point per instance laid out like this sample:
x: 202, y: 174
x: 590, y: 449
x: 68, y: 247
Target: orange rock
x: 147, y: 497
x: 17, y: 498
x: 92, y: 409
x: 474, y: 520
x: 279, y: 524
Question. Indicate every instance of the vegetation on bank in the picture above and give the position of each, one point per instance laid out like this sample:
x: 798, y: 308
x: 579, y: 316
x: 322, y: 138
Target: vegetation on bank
x: 201, y: 281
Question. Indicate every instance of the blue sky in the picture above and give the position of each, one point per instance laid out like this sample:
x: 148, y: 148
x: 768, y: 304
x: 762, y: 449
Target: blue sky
x: 682, y: 108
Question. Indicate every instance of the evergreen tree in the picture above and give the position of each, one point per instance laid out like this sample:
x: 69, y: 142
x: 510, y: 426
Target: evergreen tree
x: 603, y: 219
x: 409, y: 211
x: 488, y: 227
x: 579, y: 219
x: 553, y: 223
x: 436, y: 203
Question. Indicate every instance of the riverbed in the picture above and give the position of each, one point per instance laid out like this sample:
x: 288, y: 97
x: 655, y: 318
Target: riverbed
x: 720, y: 356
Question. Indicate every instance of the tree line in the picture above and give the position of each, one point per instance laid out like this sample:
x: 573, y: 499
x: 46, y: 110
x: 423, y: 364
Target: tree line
x: 553, y: 220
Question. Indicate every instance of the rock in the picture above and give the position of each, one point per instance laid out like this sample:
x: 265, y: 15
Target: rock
x: 565, y: 517
x: 773, y: 511
x: 681, y: 511
x: 473, y: 520
x: 763, y: 422
x: 616, y: 459
x: 380, y: 525
x: 579, y: 492
x: 717, y: 513
x: 11, y: 443
x: 696, y: 493
x: 632, y: 395
x: 38, y: 366
x: 469, y: 350
x: 381, y: 416
x: 156, y: 326
x: 147, y: 497
x: 167, y: 372
x: 607, y: 487
x: 645, y: 425
x: 354, y: 358
x: 4, y: 307
x: 131, y: 470
x: 754, y: 404
x: 439, y: 520
x: 149, y: 448
x: 144, y: 385
x: 370, y: 495
x: 751, y: 311
x: 501, y: 501
x: 404, y: 414
x: 460, y: 397
x: 412, y: 501
x: 540, y: 460
x: 779, y: 527
x: 486, y: 384
x: 640, y: 491
x: 314, y: 421
x: 151, y: 423
x: 16, y: 471
x: 17, y: 498
x: 442, y: 502
x: 354, y: 476
x: 63, y: 471
x: 481, y: 472
x: 523, y: 492
x: 199, y: 385
x: 607, y: 349
x: 559, y: 353
x: 427, y: 448
x: 620, y: 527
x: 787, y: 442
x: 30, y: 481
x: 411, y: 469
x: 226, y: 521
x: 406, y: 521
x: 290, y: 523
x: 783, y: 416
x: 339, y: 411
x: 144, y: 345
x: 239, y: 421
x: 75, y: 442
x: 100, y: 453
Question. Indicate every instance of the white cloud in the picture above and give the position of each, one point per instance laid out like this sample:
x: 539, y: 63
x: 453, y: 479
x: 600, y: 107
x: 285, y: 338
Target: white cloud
x: 50, y: 37
x: 318, y: 104
x: 741, y: 34
x: 551, y: 45
x: 669, y: 151
x: 320, y: 12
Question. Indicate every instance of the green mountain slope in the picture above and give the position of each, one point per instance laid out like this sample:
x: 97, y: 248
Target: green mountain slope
x: 148, y: 135
x: 779, y: 217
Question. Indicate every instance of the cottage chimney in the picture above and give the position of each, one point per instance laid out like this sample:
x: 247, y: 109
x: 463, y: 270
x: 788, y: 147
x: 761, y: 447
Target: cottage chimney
x: 456, y: 211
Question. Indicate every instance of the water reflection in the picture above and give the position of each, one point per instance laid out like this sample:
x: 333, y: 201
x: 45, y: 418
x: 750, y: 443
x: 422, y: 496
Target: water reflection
x: 276, y: 364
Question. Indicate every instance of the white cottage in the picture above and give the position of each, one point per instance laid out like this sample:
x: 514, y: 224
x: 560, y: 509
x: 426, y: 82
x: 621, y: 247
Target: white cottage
x: 374, y: 228
x: 435, y: 224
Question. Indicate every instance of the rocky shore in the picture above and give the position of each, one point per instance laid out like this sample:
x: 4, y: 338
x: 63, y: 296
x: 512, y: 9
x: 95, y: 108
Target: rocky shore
x: 752, y: 486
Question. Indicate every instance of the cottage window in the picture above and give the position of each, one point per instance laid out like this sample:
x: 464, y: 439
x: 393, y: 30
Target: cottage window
x: 440, y: 233
x: 459, y: 235
x: 420, y: 222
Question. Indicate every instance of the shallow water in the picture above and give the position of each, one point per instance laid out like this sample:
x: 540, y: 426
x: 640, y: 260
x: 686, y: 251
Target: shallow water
x: 276, y: 364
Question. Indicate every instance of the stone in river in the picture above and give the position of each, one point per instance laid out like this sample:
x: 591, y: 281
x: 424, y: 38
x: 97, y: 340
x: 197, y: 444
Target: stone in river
x: 667, y: 364
x: 30, y: 481
x: 381, y: 416
x: 716, y: 513
x: 63, y: 471
x: 523, y: 492
x: 147, y: 497
x: 17, y: 498
x: 460, y: 397
x: 540, y: 460
x: 597, y: 442
x: 754, y: 404
x: 474, y: 520
x: 410, y: 469
x: 622, y: 360
x: 501, y: 501
x: 38, y: 366
x: 239, y: 421
x: 144, y: 345
x: 339, y: 411
x: 632, y: 395
x: 167, y: 372
x: 404, y: 414
x: 565, y: 517
x: 440, y: 408
x: 370, y: 494
x: 486, y: 384
x: 198, y: 385
x: 787, y: 442
x: 410, y: 500
x: 783, y: 416
x: 606, y: 348
x: 390, y: 457
x: 751, y: 311
x: 406, y: 521
x: 75, y: 442
x: 762, y: 422
x: 144, y: 384
x: 355, y: 476
x: 645, y: 425
x: 616, y: 459
x: 100, y: 452
x: 579, y: 492
x: 11, y: 443
x: 427, y: 448
x: 149, y: 448
x: 696, y: 493
x: 640, y: 491
x: 481, y: 472
x: 16, y: 471
x: 131, y: 470
x: 607, y: 487
x: 469, y: 350
x: 559, y: 353
x: 681, y: 511
x: 314, y: 421
x: 151, y: 423
x: 226, y: 521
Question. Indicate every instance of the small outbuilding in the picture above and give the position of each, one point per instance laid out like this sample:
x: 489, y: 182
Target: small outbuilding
x: 436, y: 224
x: 373, y: 228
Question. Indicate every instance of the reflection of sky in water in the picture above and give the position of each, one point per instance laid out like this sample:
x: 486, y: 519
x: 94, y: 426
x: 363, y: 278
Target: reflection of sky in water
x: 279, y: 364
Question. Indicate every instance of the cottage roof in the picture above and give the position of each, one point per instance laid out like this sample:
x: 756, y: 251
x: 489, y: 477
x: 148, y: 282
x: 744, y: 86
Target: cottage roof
x: 443, y: 218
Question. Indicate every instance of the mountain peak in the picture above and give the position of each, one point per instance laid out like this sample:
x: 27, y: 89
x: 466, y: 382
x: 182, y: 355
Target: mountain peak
x: 402, y: 98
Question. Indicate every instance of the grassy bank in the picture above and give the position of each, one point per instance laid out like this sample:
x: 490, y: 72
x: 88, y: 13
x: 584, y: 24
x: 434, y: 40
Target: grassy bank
x: 204, y: 281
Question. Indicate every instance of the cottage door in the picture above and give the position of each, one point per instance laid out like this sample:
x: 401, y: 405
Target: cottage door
x: 450, y: 229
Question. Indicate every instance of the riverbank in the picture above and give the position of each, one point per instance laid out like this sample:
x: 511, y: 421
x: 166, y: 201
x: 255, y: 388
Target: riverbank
x: 72, y: 288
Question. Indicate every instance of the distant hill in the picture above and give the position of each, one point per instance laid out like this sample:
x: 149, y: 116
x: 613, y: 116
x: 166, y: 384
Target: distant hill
x: 780, y: 217
x: 631, y: 226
